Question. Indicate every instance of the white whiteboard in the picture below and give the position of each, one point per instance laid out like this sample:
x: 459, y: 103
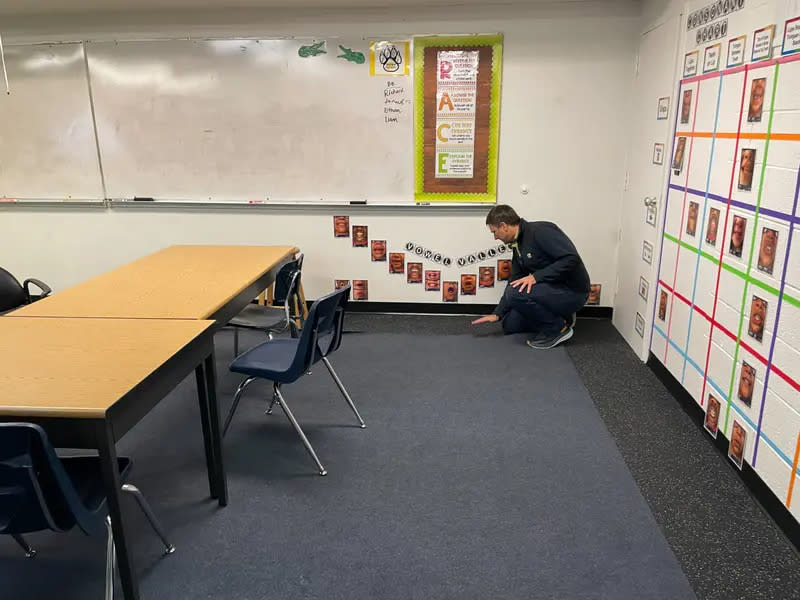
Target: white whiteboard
x: 248, y: 121
x: 48, y: 149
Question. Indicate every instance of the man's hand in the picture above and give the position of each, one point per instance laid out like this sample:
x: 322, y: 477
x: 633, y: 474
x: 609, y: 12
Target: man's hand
x: 486, y: 319
x: 525, y: 284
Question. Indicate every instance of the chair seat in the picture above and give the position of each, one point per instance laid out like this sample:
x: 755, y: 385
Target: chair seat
x: 255, y: 316
x: 270, y: 360
x: 84, y: 472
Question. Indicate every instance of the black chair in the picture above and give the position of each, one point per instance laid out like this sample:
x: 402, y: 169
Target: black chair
x: 286, y: 360
x: 40, y: 491
x: 284, y: 313
x: 13, y: 295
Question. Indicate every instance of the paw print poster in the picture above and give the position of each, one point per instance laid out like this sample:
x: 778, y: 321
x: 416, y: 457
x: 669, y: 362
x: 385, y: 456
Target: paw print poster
x: 389, y: 58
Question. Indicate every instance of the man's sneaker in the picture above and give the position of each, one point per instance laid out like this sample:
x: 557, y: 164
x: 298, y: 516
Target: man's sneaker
x: 551, y: 342
x: 571, y: 320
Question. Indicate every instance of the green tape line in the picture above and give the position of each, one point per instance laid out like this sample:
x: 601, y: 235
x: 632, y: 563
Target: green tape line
x: 752, y: 246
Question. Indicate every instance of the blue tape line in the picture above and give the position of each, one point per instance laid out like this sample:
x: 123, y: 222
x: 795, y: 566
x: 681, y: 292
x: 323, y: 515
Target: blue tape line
x: 738, y: 410
x: 702, y: 229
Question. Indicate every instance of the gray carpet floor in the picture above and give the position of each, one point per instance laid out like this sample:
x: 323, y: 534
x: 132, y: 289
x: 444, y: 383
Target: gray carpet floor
x: 486, y: 471
x: 729, y: 548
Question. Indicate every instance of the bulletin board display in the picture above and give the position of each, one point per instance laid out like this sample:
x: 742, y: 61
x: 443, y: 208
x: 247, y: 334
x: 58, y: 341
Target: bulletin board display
x: 457, y: 117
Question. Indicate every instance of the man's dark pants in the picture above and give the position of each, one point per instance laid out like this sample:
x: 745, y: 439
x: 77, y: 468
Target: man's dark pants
x: 543, y: 310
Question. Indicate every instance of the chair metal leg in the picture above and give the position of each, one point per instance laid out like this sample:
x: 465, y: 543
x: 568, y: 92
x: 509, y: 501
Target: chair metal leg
x: 235, y: 404
x: 134, y: 491
x: 272, y: 403
x: 297, y: 428
x: 344, y: 391
x: 110, y: 560
x: 236, y: 341
x: 29, y: 552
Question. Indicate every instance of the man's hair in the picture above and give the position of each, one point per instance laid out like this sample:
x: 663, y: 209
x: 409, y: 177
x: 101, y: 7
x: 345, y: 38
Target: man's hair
x: 502, y: 213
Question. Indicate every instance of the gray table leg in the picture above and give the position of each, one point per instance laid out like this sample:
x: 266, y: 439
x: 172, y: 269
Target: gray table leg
x: 202, y: 397
x: 113, y: 488
x: 216, y: 437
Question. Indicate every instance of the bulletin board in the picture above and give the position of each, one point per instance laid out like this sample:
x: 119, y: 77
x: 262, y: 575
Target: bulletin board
x: 457, y: 117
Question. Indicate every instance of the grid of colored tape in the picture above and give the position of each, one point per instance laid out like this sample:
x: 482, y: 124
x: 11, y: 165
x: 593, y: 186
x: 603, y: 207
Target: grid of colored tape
x: 791, y: 220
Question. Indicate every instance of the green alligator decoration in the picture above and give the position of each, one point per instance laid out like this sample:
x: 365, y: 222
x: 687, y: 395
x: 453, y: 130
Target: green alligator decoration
x: 356, y: 57
x: 312, y: 50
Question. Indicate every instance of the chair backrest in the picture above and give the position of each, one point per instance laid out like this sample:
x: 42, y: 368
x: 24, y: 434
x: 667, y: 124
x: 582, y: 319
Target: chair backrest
x: 321, y: 321
x: 35, y: 491
x: 12, y: 294
x: 283, y: 281
x: 330, y: 340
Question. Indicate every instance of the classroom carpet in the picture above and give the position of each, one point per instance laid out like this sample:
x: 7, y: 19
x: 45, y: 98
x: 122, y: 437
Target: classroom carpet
x: 485, y: 471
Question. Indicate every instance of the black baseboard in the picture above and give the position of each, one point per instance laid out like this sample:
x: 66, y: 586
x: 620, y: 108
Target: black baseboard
x: 441, y: 308
x: 760, y: 490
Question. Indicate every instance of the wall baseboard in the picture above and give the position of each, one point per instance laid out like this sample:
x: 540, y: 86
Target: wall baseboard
x: 760, y: 490
x: 441, y: 308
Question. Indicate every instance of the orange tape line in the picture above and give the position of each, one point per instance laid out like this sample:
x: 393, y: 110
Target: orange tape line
x: 785, y: 137
x: 794, y: 472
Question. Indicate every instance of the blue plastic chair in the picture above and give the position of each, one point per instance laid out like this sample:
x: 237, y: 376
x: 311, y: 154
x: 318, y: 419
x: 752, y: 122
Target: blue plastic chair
x: 41, y: 491
x: 286, y: 360
x: 284, y: 313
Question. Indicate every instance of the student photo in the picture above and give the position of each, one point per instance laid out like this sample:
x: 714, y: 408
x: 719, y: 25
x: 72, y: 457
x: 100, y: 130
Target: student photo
x: 340, y: 283
x: 766, y: 252
x: 677, y: 161
x: 691, y: 220
x: 594, y: 294
x: 747, y: 382
x: 378, y: 250
x: 662, y: 305
x: 341, y: 226
x: 756, y: 100
x: 469, y: 284
x: 360, y: 236
x: 433, y: 281
x: 746, y: 166
x: 486, y: 277
x: 360, y: 289
x: 414, y: 273
x: 712, y: 416
x: 450, y: 291
x: 397, y: 262
x: 713, y: 226
x: 686, y: 106
x: 737, y: 235
x: 758, y: 314
x: 503, y: 269
x: 736, y: 449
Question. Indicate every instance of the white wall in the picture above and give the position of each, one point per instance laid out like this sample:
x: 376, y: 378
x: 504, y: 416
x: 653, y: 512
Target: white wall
x: 567, y: 69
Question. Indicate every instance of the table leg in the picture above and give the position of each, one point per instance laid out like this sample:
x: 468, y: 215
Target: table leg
x: 216, y: 438
x: 202, y: 397
x: 113, y: 488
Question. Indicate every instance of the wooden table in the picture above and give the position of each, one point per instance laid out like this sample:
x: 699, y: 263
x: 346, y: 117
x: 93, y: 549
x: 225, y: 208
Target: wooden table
x: 178, y: 282
x: 199, y: 286
x: 88, y: 381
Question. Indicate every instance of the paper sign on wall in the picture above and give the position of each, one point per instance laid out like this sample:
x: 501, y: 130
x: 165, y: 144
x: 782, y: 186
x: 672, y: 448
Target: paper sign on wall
x: 791, y: 36
x: 690, y: 63
x: 658, y: 154
x: 711, y: 58
x: 762, y: 43
x: 389, y: 58
x: 456, y: 99
x: 736, y: 48
x: 663, y: 108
